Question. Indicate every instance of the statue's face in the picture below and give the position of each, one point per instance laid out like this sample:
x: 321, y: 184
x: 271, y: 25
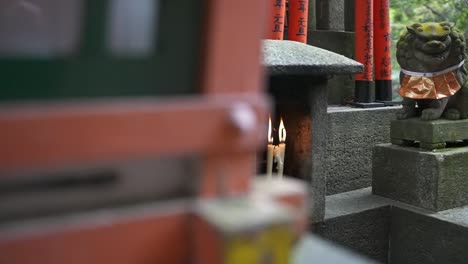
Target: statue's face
x: 431, y: 40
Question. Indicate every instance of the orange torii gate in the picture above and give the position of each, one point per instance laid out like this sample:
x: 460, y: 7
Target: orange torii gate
x: 373, y: 50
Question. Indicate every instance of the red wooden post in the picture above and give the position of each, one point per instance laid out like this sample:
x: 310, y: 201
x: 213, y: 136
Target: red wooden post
x: 382, y: 51
x: 297, y: 22
x: 276, y: 19
x: 364, y: 48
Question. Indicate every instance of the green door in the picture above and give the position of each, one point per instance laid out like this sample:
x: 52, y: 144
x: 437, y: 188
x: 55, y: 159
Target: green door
x: 115, y: 48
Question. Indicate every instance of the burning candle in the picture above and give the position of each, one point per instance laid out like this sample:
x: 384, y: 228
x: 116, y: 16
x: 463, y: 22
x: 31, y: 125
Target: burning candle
x: 270, y: 149
x: 281, y: 148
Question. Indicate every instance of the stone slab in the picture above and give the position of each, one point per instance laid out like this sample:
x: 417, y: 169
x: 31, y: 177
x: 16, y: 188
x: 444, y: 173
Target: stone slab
x: 358, y: 220
x: 330, y: 14
x: 340, y: 87
x: 312, y: 16
x: 366, y: 223
x: 457, y: 216
x: 352, y: 202
x: 349, y: 15
x: 284, y: 57
x: 433, y: 180
x: 313, y: 249
x: 352, y: 134
x: 340, y: 42
x: 428, y: 239
x: 430, y: 134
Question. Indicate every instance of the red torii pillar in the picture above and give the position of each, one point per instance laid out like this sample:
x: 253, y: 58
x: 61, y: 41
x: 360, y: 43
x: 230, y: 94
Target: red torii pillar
x: 276, y: 18
x: 373, y: 48
x: 382, y: 51
x: 364, y: 49
x: 297, y: 21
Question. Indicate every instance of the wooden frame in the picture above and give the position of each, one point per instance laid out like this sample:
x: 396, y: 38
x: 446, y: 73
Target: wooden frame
x: 125, y: 236
x: 232, y: 65
x: 74, y: 133
x: 231, y: 73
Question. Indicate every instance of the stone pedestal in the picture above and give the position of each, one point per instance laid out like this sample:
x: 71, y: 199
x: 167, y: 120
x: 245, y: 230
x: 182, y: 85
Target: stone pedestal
x: 434, y: 180
x: 429, y: 134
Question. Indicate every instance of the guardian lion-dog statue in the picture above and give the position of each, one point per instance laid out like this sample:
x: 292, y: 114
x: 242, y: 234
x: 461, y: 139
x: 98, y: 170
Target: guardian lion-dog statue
x: 434, y: 70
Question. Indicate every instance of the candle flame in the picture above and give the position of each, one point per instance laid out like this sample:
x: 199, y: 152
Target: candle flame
x: 282, y: 132
x: 270, y: 138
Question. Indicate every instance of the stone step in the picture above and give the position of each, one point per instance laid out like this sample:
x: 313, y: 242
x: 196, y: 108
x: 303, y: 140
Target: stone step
x: 429, y: 238
x: 312, y: 249
x: 394, y: 232
x: 358, y: 220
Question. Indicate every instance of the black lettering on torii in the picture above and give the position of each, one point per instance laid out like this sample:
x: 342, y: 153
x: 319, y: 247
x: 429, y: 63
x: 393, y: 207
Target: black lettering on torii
x: 302, y: 6
x: 301, y: 30
x: 278, y: 23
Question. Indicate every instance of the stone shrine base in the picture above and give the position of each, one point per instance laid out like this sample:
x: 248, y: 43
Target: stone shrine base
x: 434, y: 180
x: 393, y: 232
x: 429, y: 134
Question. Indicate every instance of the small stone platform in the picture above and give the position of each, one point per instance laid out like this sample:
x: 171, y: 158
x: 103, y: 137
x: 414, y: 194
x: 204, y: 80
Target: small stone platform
x: 429, y: 135
x: 433, y: 180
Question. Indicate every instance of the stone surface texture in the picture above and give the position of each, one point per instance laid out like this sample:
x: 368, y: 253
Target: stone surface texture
x: 359, y: 221
x: 457, y: 215
x: 430, y: 132
x: 330, y: 14
x: 340, y: 87
x: 352, y: 134
x: 313, y: 249
x: 366, y: 232
x: 433, y: 180
x: 419, y: 238
x: 284, y: 57
x: 354, y: 201
x: 366, y: 223
x: 349, y: 15
x: 312, y: 16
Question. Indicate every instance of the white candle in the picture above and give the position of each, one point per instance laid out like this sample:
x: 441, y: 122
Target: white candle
x: 270, y: 149
x: 281, y: 148
x: 280, y: 159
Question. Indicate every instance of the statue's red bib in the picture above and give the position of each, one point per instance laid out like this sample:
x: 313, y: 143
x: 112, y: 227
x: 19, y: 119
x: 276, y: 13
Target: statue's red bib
x: 435, y: 87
